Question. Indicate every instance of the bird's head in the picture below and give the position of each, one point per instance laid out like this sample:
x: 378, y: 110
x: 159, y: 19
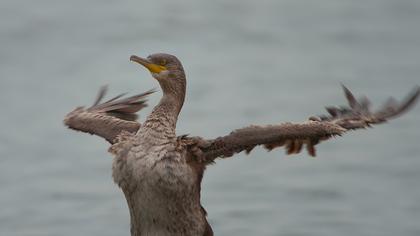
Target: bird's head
x: 166, y: 69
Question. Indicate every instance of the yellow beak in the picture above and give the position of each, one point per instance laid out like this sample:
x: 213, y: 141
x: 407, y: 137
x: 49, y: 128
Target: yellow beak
x: 154, y: 68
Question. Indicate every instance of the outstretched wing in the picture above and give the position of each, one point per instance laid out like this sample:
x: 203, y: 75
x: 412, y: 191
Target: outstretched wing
x: 108, y: 119
x: 294, y: 136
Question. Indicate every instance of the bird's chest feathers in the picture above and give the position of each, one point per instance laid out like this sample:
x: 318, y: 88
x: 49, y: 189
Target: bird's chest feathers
x: 154, y: 170
x: 161, y: 188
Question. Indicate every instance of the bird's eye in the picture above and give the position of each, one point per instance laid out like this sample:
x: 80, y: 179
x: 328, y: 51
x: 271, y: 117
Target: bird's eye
x: 163, y: 62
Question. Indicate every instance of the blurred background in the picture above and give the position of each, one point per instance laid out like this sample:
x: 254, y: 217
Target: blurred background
x: 247, y: 62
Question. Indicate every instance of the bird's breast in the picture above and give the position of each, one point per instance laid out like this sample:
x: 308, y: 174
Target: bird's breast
x: 154, y: 168
x: 161, y: 188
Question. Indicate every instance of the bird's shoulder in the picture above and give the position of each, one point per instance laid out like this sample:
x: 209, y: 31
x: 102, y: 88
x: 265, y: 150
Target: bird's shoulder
x: 123, y: 141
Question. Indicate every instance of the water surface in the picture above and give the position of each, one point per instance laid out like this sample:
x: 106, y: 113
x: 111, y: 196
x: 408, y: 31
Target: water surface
x: 247, y: 62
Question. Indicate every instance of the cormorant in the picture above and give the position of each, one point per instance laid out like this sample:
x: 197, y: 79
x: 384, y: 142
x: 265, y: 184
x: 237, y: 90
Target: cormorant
x: 160, y: 173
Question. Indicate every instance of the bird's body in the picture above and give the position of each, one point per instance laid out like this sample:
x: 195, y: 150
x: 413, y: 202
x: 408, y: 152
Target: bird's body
x: 160, y: 183
x: 160, y: 173
x: 161, y: 189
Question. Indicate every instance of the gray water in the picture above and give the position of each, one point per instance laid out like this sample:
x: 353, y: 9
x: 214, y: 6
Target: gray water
x: 248, y: 62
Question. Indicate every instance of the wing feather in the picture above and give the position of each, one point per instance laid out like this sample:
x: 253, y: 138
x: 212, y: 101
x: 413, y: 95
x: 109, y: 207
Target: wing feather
x: 108, y: 119
x: 295, y: 136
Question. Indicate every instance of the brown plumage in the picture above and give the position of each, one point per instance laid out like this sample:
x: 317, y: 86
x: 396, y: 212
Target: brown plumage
x: 160, y: 173
x: 110, y: 118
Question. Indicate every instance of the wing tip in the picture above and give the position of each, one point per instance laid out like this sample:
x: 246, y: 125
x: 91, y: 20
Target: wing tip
x: 351, y: 99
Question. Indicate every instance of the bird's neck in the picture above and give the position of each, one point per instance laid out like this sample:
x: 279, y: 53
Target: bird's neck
x: 164, y: 116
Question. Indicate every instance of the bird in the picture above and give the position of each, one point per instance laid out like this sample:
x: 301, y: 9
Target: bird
x: 160, y: 172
